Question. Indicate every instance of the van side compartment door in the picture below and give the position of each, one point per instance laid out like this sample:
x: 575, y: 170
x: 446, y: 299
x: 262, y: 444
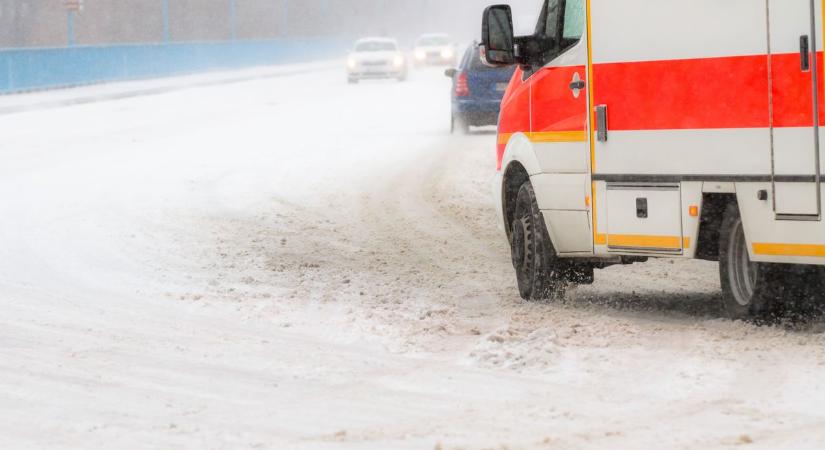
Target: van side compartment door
x: 795, y: 71
x: 644, y: 218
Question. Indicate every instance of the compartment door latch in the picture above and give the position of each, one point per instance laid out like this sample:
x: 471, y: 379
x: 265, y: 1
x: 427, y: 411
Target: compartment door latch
x: 641, y: 208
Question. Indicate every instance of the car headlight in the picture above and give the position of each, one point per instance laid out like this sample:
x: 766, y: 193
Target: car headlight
x: 447, y: 53
x: 398, y: 61
x: 420, y: 54
x: 352, y: 63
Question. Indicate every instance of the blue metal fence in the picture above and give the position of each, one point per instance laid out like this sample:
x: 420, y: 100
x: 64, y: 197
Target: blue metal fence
x: 33, y: 69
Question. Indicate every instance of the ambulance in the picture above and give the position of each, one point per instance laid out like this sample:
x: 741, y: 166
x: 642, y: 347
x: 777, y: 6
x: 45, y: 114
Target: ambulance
x: 636, y: 129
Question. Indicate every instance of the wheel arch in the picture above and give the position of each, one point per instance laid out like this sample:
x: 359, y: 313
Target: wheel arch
x: 519, y: 163
x: 515, y: 175
x: 714, y: 206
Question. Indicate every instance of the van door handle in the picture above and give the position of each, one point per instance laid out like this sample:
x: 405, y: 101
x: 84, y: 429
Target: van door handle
x: 805, y: 53
x: 601, y: 123
x: 577, y: 85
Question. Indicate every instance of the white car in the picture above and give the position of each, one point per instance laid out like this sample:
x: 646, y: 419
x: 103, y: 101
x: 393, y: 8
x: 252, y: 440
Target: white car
x: 373, y: 58
x: 435, y: 50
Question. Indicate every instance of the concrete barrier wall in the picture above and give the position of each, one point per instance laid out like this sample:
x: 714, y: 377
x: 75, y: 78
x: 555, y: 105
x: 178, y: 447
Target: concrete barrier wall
x: 46, y: 68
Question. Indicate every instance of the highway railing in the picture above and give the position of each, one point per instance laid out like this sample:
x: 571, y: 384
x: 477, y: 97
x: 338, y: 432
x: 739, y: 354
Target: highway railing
x: 27, y: 69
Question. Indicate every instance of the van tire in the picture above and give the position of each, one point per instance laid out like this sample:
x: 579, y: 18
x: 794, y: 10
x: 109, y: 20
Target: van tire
x: 750, y: 290
x: 533, y: 256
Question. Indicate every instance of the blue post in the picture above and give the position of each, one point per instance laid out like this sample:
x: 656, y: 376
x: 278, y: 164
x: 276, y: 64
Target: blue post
x: 233, y: 33
x: 9, y: 84
x: 70, y: 28
x: 165, y: 11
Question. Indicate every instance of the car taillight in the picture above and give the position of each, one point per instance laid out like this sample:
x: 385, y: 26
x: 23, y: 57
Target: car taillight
x: 462, y: 88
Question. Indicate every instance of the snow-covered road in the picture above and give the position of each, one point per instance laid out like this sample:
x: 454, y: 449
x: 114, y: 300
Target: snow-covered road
x: 292, y: 262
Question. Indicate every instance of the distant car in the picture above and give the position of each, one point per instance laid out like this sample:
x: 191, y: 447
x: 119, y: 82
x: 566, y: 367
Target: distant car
x: 435, y: 50
x: 477, y: 91
x: 373, y: 58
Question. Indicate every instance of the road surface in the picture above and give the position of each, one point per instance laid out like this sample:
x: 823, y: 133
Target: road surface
x: 292, y: 262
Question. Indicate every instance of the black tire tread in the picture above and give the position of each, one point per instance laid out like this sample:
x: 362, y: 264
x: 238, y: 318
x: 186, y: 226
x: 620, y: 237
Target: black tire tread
x: 544, y: 281
x: 769, y: 285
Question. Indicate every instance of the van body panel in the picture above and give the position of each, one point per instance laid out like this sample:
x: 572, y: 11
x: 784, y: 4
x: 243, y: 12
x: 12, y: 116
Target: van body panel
x: 732, y: 110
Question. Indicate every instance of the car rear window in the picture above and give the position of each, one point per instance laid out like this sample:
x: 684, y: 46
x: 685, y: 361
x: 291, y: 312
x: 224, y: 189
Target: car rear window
x: 475, y: 64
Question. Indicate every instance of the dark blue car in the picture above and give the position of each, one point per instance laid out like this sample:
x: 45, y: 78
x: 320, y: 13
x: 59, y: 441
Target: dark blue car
x: 477, y: 91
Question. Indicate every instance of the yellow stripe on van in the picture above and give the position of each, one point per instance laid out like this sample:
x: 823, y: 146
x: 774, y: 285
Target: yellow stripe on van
x: 558, y: 136
x: 652, y: 242
x: 598, y: 238
x: 547, y: 136
x: 802, y: 250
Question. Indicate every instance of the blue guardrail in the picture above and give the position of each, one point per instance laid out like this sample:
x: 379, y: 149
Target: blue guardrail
x: 46, y: 68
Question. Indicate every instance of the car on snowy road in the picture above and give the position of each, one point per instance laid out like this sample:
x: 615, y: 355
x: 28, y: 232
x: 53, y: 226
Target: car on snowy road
x: 373, y: 58
x: 435, y: 50
x: 477, y: 91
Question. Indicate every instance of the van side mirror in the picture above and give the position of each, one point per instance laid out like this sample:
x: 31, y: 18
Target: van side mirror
x: 497, y: 37
x: 450, y: 73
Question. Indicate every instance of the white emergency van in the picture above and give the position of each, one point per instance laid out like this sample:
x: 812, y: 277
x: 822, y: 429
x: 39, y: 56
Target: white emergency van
x: 684, y: 129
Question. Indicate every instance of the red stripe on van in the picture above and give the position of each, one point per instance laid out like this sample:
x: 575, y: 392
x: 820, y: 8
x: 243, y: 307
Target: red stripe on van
x: 684, y: 94
x: 729, y: 92
x: 792, y: 96
x: 708, y: 93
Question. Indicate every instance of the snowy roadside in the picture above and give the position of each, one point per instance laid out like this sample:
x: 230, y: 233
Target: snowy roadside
x: 211, y: 269
x: 11, y: 104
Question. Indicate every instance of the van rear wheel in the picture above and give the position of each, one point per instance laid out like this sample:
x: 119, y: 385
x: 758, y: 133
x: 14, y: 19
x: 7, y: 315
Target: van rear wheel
x: 533, y: 255
x: 750, y: 290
